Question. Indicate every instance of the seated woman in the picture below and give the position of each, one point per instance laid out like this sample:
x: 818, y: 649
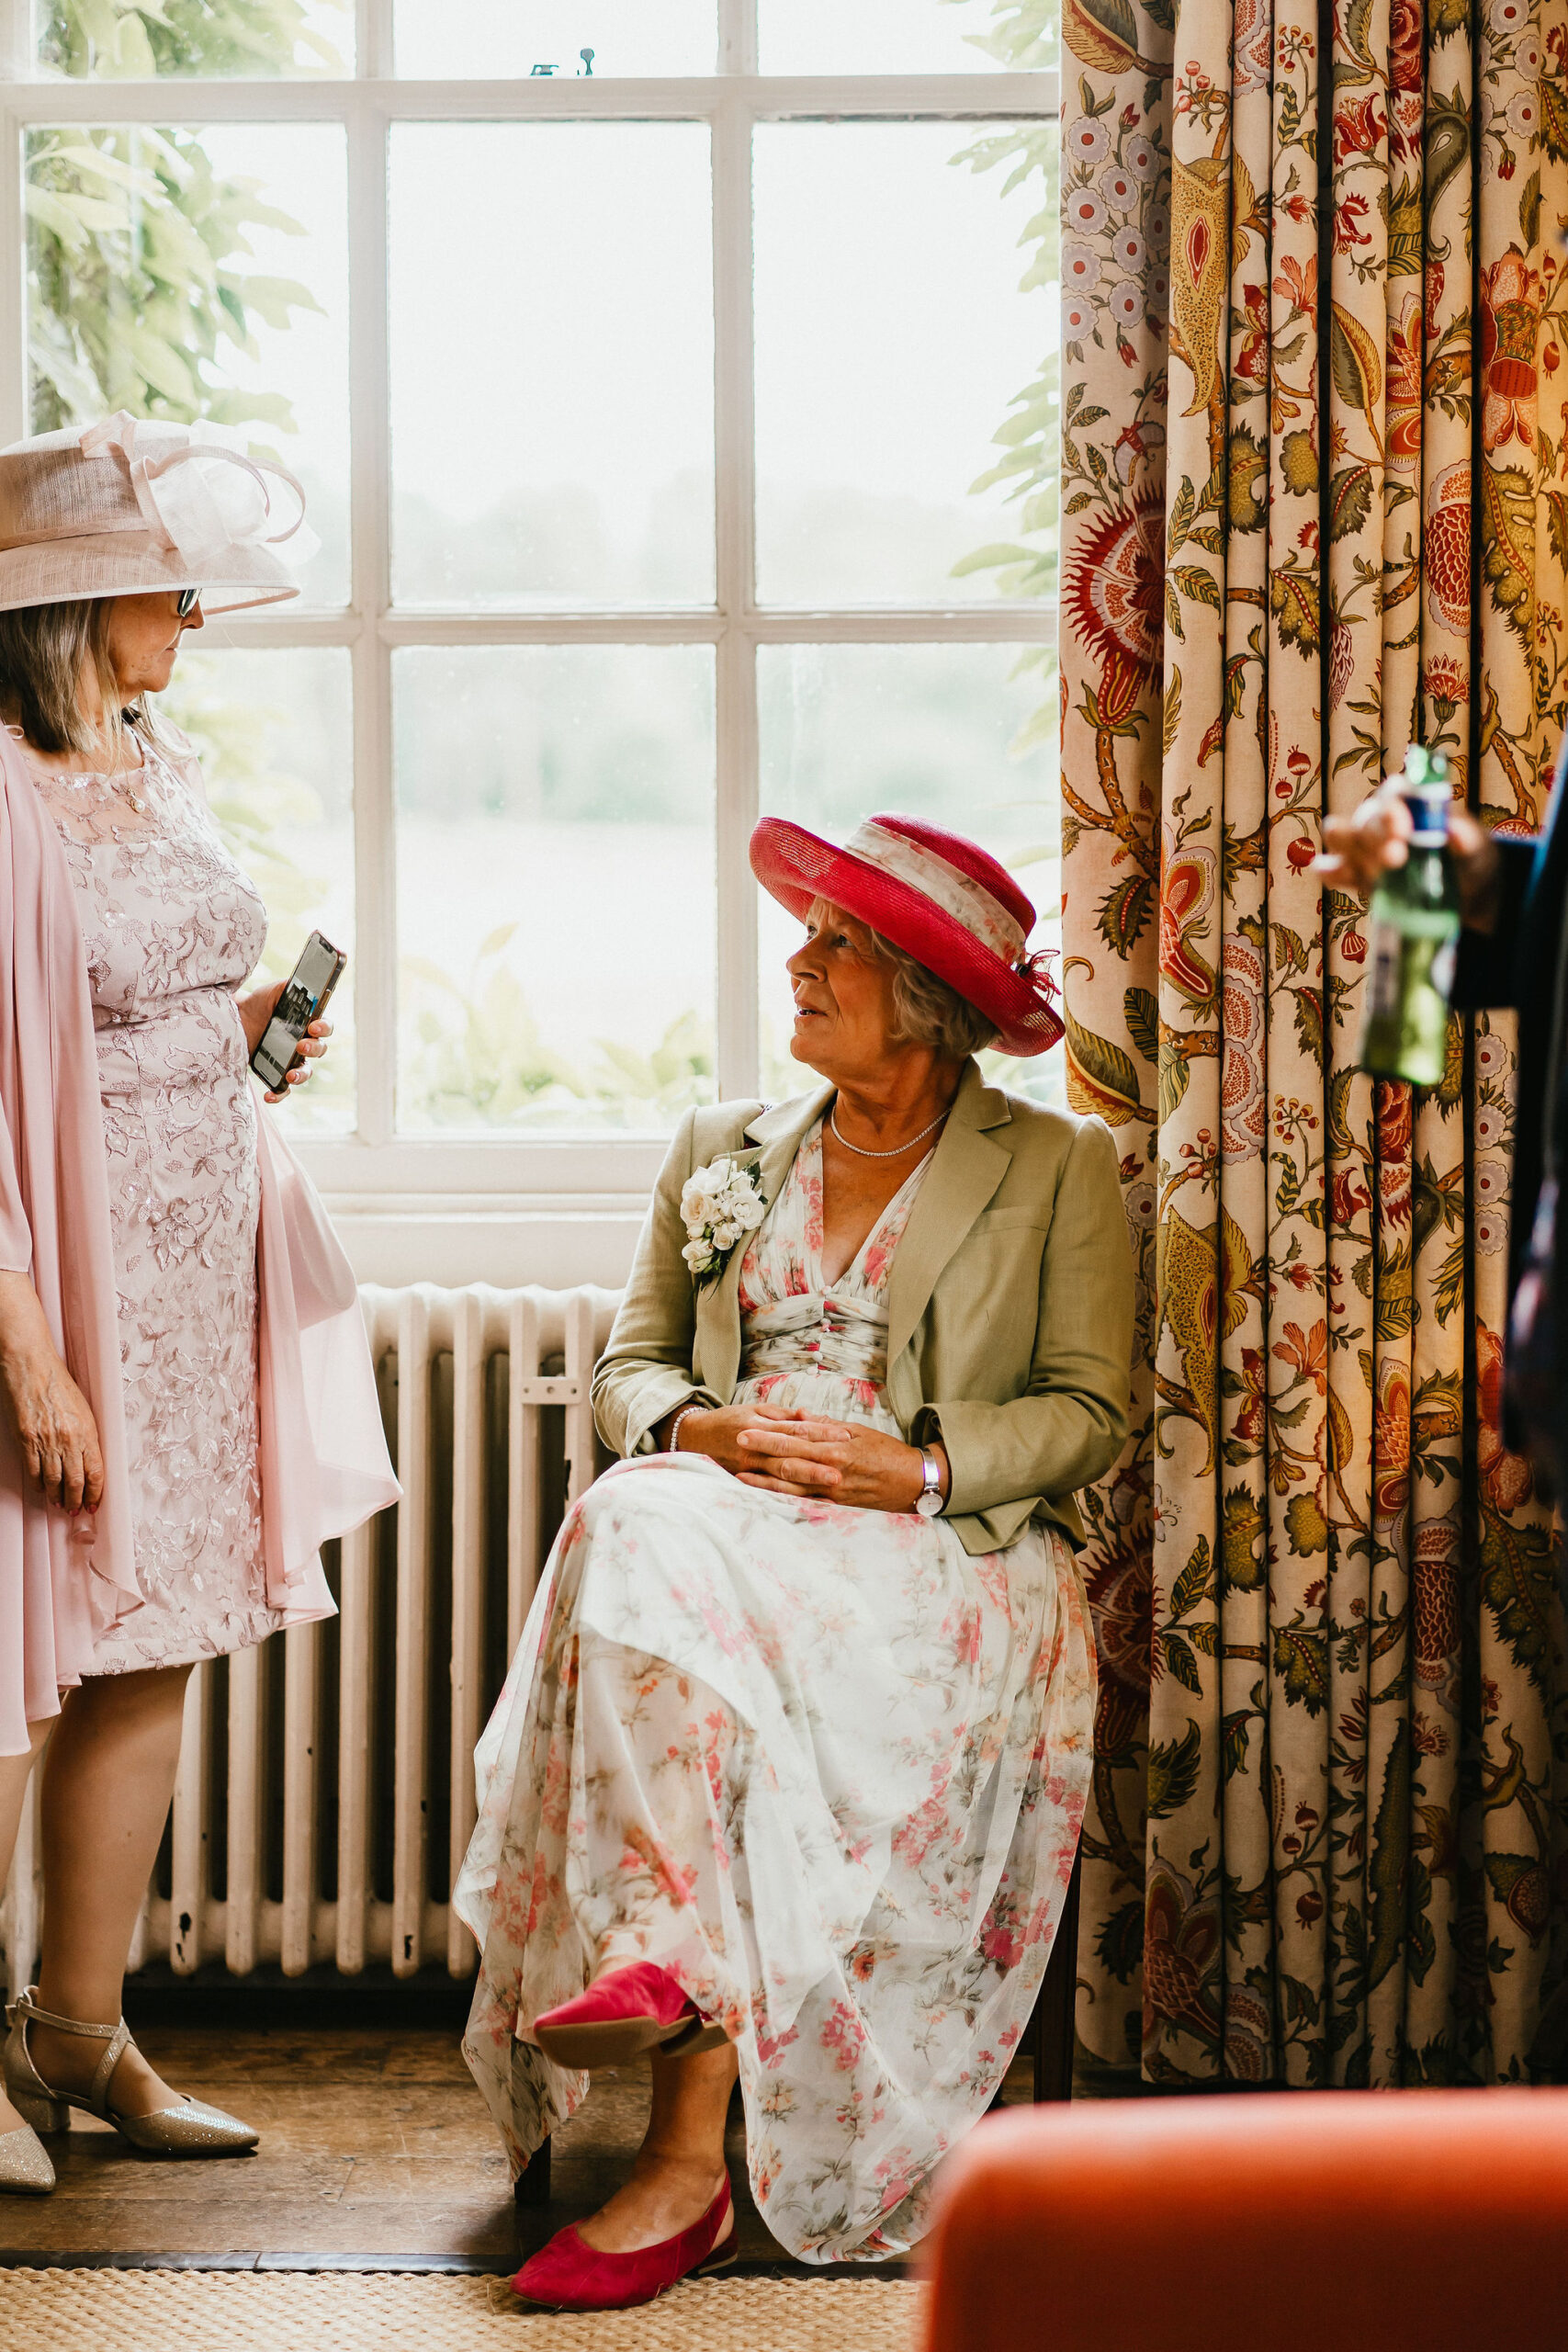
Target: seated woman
x: 789, y: 1769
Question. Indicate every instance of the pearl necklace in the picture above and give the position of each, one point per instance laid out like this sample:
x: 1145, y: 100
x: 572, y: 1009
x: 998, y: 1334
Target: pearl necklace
x: 897, y: 1153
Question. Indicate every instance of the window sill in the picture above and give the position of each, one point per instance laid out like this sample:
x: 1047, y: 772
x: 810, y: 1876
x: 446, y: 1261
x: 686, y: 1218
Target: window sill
x: 554, y: 1240
x: 554, y: 1213
x: 475, y: 1168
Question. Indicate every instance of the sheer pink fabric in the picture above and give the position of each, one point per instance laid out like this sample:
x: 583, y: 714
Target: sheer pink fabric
x: 324, y: 1466
x: 60, y: 1578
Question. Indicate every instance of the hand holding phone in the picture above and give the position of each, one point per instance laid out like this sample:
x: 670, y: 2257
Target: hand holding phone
x: 304, y: 999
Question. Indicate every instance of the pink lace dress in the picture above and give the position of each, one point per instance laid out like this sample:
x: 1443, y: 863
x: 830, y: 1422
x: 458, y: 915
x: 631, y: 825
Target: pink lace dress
x: 172, y: 928
x: 819, y: 1763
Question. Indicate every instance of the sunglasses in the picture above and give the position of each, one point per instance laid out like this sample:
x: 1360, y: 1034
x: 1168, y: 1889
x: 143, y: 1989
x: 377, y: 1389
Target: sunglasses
x: 187, y: 602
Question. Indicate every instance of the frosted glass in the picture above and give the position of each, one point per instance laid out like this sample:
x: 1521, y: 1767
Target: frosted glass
x: 891, y: 337
x: 552, y: 364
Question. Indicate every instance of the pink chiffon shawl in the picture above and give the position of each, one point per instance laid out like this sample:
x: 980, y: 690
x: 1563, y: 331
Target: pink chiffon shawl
x: 324, y: 1466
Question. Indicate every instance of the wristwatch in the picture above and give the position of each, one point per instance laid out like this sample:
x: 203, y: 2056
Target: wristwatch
x: 928, y: 1502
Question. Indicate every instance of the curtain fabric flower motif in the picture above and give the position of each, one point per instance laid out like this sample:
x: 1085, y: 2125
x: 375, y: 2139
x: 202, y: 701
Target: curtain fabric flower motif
x: 1314, y: 505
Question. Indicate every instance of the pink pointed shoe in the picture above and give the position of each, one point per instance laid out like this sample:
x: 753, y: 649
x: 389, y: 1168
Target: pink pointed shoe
x: 569, y: 2275
x: 623, y: 2013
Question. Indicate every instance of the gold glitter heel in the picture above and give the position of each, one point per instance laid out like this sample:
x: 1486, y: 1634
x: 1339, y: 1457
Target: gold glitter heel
x: 187, y: 2129
x: 25, y: 2168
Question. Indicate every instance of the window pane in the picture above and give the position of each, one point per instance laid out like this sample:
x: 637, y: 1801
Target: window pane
x: 552, y: 364
x: 274, y: 731
x: 891, y: 341
x: 965, y: 735
x: 894, y: 36
x: 555, y: 915
x: 126, y: 310
x: 224, y: 38
x: 484, y: 39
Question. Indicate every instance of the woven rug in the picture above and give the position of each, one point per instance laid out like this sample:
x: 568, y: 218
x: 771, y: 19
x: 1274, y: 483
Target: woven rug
x: 157, y: 2311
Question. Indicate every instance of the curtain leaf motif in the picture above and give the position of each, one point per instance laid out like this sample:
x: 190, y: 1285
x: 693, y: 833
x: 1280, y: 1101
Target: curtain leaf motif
x: 1325, y: 1816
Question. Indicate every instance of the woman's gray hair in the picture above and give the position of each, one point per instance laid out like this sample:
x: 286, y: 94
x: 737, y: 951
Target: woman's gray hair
x: 928, y: 1012
x: 45, y: 650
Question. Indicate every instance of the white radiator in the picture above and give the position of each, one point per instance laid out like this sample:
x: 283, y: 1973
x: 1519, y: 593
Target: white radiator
x: 442, y: 1581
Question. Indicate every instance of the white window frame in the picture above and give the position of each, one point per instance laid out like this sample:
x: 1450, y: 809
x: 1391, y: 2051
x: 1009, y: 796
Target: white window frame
x: 377, y: 1172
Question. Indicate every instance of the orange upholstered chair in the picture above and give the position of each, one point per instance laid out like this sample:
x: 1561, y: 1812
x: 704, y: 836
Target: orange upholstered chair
x: 1293, y: 2222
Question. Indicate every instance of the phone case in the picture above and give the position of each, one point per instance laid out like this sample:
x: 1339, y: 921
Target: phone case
x: 311, y: 985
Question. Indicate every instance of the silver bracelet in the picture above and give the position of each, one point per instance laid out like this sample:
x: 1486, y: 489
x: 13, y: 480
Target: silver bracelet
x: 674, y: 1444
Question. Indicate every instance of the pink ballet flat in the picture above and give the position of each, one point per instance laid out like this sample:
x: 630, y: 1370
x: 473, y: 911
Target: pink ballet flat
x: 569, y: 2275
x: 623, y: 2013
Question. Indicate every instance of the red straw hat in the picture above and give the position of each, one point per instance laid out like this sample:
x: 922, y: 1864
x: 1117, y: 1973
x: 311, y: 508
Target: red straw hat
x: 935, y: 895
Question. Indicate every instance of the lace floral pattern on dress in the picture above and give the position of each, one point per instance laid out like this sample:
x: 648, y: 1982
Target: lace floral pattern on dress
x: 172, y: 928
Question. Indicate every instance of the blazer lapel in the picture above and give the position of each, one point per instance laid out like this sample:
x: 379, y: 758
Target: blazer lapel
x: 969, y: 1164
x: 779, y: 1133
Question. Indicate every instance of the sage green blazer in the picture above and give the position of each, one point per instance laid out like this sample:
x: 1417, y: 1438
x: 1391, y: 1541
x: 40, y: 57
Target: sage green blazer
x: 1010, y: 1304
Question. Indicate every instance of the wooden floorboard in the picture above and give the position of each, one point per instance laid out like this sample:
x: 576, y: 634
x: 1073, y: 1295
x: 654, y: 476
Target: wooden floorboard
x: 377, y: 2153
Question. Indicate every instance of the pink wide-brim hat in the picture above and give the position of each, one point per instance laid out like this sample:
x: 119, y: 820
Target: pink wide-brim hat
x: 132, y: 505
x: 939, y: 897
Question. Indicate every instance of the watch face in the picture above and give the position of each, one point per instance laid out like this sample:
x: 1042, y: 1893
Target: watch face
x: 928, y: 1506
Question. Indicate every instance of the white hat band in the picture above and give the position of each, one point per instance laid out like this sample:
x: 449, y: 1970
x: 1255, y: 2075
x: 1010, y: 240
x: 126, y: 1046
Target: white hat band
x: 968, y: 902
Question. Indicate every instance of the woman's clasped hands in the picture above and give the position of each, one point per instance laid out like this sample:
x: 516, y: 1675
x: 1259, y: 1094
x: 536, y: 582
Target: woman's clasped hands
x: 805, y: 1454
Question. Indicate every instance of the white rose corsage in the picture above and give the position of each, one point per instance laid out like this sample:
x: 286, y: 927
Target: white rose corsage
x: 720, y: 1205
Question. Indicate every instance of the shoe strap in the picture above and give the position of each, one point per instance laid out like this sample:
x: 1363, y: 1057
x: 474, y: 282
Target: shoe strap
x: 119, y: 2045
x: 26, y: 2004
x: 25, y: 2010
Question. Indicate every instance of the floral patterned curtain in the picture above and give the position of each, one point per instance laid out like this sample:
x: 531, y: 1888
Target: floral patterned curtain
x: 1313, y: 449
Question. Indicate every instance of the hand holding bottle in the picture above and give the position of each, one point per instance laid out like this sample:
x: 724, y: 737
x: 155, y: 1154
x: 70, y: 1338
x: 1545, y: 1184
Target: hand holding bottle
x: 1416, y: 917
x: 1374, y: 840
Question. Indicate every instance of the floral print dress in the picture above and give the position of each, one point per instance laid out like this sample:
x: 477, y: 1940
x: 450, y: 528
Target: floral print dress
x: 819, y: 1763
x: 172, y: 927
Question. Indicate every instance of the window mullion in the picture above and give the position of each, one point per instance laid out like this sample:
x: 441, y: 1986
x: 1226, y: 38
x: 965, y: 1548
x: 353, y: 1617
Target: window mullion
x: 373, y: 53
x: 13, y: 284
x: 737, y: 36
x: 374, y: 849
x: 954, y: 98
x: 18, y: 44
x: 735, y: 453
x: 19, y: 63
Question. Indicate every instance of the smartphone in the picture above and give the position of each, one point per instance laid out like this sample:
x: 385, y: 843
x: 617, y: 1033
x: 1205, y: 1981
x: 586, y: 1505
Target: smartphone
x: 305, y: 1000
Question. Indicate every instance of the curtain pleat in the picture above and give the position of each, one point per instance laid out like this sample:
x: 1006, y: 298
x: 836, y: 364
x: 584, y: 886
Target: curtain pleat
x: 1311, y: 511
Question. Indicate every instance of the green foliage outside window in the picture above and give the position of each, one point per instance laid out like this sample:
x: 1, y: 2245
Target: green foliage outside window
x: 139, y: 40
x: 137, y: 247
x: 137, y: 275
x: 478, y: 1056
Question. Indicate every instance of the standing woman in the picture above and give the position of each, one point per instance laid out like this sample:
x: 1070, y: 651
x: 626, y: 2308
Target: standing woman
x: 186, y: 1407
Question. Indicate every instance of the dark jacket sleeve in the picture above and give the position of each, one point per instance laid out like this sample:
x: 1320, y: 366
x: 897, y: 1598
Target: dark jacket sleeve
x: 1486, y: 975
